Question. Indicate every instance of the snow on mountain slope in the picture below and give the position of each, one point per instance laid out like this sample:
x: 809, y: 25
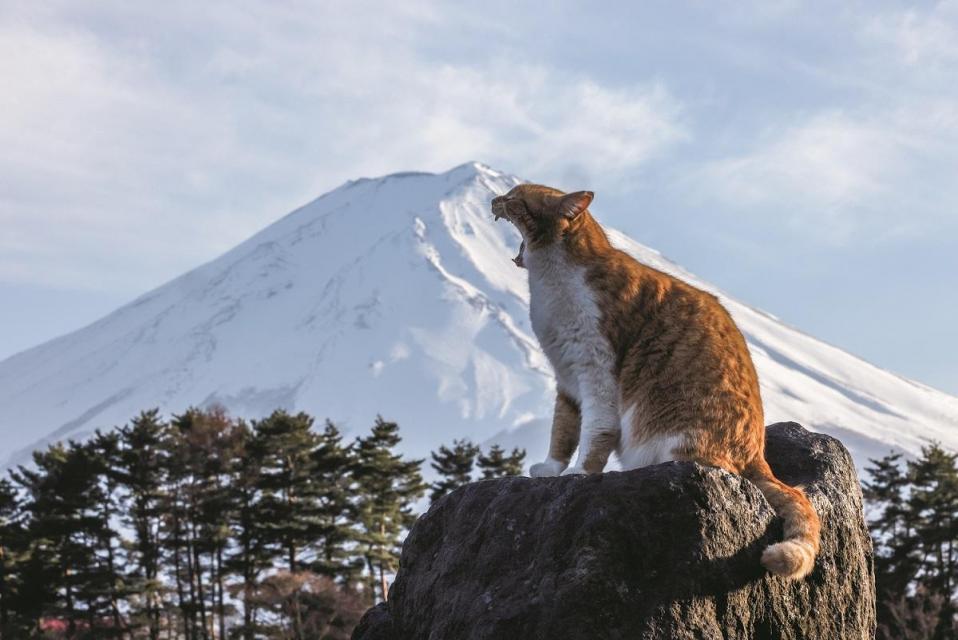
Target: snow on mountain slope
x: 398, y: 295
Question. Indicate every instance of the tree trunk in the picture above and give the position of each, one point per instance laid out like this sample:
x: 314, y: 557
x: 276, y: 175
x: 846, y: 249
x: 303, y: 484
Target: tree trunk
x: 371, y: 582
x: 150, y: 542
x: 382, y: 574
x: 180, y: 595
x: 382, y: 582
x: 200, y: 601
x: 219, y: 580
x: 91, y: 618
x: 114, y: 597
x: 3, y: 594
x: 289, y: 514
x: 248, y: 612
x: 71, y: 615
x: 297, y: 618
x: 186, y: 606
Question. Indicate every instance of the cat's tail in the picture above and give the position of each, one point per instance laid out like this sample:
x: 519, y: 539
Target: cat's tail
x: 794, y: 557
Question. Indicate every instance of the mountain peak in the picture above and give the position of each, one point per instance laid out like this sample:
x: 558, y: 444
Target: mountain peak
x: 459, y: 173
x: 397, y: 295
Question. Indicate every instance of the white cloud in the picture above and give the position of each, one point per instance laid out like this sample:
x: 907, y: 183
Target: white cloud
x: 870, y: 159
x: 821, y: 167
x: 920, y: 37
x: 138, y: 142
x: 836, y: 174
x: 151, y: 138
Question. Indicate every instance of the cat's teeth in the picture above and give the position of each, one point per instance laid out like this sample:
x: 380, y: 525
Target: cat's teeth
x: 518, y: 259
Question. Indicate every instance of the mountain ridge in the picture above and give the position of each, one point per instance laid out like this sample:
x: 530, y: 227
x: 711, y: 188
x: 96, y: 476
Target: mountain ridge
x: 398, y: 295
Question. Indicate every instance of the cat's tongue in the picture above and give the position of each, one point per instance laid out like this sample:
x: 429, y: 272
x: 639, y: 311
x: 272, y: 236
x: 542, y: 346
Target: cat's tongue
x: 518, y: 258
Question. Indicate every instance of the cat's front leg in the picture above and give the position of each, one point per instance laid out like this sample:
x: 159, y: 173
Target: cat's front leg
x: 600, y: 432
x: 565, y: 437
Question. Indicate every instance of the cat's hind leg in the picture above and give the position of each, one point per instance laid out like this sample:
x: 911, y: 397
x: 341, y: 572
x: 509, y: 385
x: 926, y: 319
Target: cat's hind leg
x: 566, y: 423
x: 640, y: 448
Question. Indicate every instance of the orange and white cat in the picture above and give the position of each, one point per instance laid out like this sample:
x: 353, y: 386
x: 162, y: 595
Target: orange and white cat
x: 646, y: 365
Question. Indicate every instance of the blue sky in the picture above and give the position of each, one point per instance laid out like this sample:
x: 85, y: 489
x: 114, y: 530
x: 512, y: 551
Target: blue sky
x: 802, y: 156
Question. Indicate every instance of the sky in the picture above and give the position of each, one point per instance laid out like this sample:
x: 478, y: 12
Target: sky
x: 803, y: 156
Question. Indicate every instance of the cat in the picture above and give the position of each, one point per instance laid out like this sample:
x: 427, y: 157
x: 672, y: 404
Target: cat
x: 646, y: 365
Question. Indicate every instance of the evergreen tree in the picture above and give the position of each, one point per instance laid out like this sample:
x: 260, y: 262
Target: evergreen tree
x: 251, y: 555
x: 290, y: 500
x: 893, y: 534
x: 333, y: 487
x: 174, y: 535
x: 388, y: 486
x: 933, y: 503
x: 915, y: 507
x: 454, y: 467
x: 205, y: 444
x: 496, y: 464
x: 139, y: 468
x: 211, y: 505
x: 68, y: 576
x: 104, y: 453
x: 10, y: 551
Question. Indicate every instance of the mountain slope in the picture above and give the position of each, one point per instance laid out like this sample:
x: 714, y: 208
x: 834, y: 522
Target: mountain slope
x: 397, y: 295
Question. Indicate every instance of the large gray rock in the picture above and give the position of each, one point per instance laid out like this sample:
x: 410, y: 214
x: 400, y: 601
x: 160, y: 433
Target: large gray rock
x: 670, y: 551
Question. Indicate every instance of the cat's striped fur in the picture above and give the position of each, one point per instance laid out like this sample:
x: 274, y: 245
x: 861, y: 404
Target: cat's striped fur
x: 646, y: 365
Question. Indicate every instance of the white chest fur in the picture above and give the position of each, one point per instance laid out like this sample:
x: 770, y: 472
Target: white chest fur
x: 565, y: 318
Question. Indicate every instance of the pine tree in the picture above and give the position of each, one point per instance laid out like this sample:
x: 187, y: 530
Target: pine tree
x: 914, y: 536
x: 211, y: 505
x: 454, y: 467
x: 140, y: 472
x: 893, y: 534
x: 206, y: 442
x: 388, y: 486
x: 224, y: 447
x: 933, y: 503
x: 68, y: 577
x: 333, y: 486
x: 10, y: 551
x: 289, y: 496
x: 251, y: 555
x: 174, y: 535
x: 496, y: 464
x: 104, y: 452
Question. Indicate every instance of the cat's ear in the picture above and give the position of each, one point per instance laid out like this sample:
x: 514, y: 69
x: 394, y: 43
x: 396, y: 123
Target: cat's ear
x: 573, y: 204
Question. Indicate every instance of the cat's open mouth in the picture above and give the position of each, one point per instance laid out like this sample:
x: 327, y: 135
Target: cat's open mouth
x: 522, y: 247
x: 518, y: 259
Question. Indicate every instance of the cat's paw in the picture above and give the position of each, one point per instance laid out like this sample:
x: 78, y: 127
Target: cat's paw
x: 547, y: 469
x: 574, y: 471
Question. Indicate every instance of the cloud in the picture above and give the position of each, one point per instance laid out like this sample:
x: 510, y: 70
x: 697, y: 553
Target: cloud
x: 867, y: 160
x: 821, y: 169
x: 156, y: 138
x: 920, y: 38
x: 836, y: 175
x: 536, y: 122
x: 137, y: 142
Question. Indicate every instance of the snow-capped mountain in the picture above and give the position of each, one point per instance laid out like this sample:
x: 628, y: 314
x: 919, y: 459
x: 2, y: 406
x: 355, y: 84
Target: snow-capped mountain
x: 398, y: 296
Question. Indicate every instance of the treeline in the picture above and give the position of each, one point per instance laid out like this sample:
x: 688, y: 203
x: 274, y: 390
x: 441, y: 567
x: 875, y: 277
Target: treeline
x: 914, y: 524
x: 207, y: 527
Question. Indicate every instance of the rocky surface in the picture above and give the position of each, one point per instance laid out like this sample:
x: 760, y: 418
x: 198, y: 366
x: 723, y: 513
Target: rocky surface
x: 669, y: 551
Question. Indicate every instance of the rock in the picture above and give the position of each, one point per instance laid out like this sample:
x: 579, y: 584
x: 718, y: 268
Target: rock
x: 669, y: 551
x: 376, y: 624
